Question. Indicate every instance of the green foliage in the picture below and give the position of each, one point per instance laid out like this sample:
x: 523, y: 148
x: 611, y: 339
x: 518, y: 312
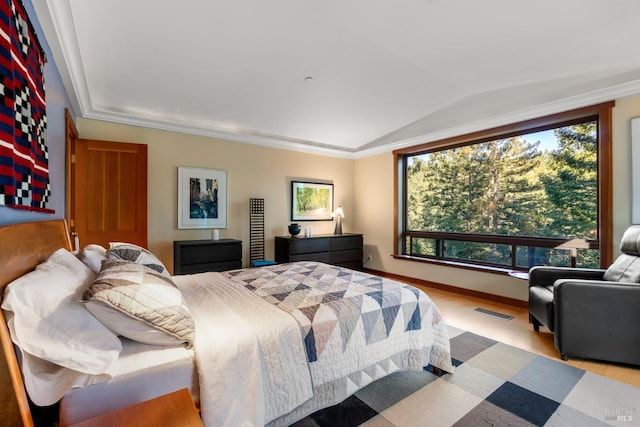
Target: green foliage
x: 571, y: 183
x: 507, y: 187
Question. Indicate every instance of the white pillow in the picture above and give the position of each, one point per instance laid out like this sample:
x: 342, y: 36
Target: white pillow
x: 47, y: 321
x: 92, y: 256
x: 140, y: 303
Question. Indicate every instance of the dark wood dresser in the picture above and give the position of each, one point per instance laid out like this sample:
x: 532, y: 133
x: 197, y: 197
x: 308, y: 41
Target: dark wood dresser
x: 198, y: 256
x: 344, y: 250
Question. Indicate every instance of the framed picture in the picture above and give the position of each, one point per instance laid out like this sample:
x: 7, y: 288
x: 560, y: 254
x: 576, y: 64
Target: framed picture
x: 311, y: 201
x: 202, y: 198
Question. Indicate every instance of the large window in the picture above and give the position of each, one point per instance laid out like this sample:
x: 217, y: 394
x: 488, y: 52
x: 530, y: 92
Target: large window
x: 534, y: 193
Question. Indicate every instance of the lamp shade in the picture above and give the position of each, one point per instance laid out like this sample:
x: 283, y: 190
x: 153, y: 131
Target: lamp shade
x: 338, y: 212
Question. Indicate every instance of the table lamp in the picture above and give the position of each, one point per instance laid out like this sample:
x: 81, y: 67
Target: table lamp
x: 338, y: 214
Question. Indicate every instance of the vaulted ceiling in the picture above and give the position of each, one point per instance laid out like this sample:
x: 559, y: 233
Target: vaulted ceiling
x: 340, y: 77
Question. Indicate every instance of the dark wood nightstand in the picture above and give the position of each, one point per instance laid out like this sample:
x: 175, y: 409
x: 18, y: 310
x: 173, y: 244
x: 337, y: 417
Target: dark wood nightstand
x: 198, y: 256
x: 171, y: 410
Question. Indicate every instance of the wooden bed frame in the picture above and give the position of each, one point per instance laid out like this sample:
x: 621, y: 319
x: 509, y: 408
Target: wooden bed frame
x: 23, y: 247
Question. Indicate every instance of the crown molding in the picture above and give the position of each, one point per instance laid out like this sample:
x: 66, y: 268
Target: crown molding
x: 570, y: 103
x: 283, y: 144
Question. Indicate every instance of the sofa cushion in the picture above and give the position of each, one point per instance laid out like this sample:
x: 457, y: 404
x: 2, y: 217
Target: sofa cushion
x: 626, y: 268
x: 630, y: 243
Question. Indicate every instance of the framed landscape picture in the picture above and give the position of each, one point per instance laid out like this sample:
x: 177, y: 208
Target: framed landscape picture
x: 202, y: 198
x: 311, y: 201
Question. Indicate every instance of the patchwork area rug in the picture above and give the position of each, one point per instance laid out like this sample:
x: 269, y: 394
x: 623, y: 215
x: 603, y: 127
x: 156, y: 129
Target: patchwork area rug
x: 494, y: 384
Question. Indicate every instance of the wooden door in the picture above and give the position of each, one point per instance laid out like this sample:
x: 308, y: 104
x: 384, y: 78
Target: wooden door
x: 109, y: 192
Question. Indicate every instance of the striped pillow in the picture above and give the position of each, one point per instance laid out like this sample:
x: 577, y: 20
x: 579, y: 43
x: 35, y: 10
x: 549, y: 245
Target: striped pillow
x: 137, y: 254
x: 139, y: 303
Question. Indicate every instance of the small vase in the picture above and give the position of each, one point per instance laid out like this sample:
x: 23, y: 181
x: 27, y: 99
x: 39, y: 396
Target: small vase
x: 294, y: 229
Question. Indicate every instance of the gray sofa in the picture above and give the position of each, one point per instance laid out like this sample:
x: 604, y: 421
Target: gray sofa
x: 593, y: 313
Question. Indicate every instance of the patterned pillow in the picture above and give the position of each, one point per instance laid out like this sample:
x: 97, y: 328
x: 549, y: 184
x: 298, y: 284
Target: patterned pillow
x: 139, y: 303
x: 137, y: 254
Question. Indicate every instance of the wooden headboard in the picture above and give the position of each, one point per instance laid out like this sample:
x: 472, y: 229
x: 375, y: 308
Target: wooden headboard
x: 22, y: 248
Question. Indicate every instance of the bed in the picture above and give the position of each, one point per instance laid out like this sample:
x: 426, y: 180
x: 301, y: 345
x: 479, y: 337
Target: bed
x: 256, y: 346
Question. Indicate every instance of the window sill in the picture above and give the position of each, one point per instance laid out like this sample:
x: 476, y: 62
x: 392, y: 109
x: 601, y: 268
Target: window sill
x: 462, y: 265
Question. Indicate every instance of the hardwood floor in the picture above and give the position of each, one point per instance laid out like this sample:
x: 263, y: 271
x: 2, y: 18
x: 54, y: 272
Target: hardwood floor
x: 459, y: 311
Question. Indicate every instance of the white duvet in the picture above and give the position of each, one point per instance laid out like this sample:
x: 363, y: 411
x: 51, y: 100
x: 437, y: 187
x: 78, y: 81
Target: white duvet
x: 250, y: 357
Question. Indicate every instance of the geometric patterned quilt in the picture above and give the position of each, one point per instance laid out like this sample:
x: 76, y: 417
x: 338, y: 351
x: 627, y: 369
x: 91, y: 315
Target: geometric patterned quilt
x: 24, y: 158
x: 324, y: 298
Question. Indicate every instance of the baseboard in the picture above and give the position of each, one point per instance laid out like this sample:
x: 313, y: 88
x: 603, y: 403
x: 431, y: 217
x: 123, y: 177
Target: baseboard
x: 450, y: 288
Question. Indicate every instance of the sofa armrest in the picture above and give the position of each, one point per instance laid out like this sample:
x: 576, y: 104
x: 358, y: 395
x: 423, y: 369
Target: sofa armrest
x: 546, y: 276
x: 603, y: 293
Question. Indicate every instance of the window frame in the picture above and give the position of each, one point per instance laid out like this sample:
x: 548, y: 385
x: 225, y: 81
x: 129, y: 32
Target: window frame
x: 602, y: 113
